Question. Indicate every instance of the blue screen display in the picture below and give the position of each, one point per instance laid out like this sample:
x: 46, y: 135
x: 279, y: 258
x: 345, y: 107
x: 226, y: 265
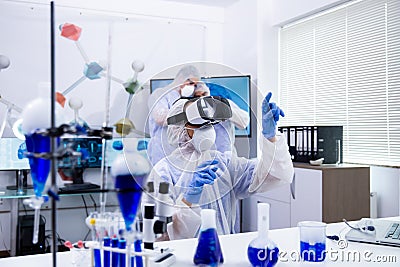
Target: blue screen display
x: 90, y: 149
x: 235, y: 88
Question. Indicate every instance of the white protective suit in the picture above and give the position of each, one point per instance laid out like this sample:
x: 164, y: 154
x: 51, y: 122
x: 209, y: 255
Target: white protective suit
x: 238, y: 178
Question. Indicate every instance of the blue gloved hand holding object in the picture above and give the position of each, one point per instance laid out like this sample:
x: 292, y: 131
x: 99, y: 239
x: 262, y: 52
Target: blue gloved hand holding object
x: 270, y: 115
x: 205, y: 174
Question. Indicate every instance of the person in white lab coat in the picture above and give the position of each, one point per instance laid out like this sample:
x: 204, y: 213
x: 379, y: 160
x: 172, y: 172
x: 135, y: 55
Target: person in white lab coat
x: 202, y: 177
x: 187, y: 84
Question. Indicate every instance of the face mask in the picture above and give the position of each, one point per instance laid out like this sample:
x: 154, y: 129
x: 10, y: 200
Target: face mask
x: 187, y: 90
x: 203, y: 139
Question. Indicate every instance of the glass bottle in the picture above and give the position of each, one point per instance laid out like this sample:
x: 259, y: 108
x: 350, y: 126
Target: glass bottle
x: 262, y: 252
x: 208, y: 250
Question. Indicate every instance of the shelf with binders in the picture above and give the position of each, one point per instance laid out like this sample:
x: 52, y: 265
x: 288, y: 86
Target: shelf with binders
x: 314, y: 142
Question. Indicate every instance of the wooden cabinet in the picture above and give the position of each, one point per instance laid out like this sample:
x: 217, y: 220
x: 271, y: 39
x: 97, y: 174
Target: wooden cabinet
x: 325, y: 193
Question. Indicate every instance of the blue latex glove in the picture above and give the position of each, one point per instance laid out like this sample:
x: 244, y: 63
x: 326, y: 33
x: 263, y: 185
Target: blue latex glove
x: 205, y: 174
x: 270, y: 115
x: 218, y: 90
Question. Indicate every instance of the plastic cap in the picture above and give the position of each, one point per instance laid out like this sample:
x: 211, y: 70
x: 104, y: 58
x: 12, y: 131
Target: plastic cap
x: 208, y: 219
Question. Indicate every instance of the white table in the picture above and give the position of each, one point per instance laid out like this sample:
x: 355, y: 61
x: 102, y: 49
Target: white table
x: 234, y: 249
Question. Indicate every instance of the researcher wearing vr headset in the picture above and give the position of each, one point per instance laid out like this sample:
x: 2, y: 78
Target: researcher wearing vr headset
x: 203, y: 177
x: 186, y: 83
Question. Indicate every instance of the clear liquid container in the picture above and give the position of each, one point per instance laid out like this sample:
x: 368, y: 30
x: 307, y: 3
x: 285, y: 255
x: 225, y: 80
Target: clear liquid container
x: 208, y: 252
x: 312, y: 240
x: 262, y: 252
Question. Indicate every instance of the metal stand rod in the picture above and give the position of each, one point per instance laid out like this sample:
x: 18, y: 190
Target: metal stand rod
x: 104, y: 171
x: 53, y: 139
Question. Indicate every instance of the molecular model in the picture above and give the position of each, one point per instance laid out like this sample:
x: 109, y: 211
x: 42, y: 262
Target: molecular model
x: 94, y: 70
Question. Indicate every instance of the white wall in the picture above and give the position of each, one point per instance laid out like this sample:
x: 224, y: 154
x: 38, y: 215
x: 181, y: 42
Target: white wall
x: 288, y: 10
x: 240, y: 37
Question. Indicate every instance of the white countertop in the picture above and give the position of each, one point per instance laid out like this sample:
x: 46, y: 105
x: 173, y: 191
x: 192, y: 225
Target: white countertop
x: 234, y: 249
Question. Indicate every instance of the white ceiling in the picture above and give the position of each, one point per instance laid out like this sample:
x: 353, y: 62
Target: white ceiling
x: 216, y: 3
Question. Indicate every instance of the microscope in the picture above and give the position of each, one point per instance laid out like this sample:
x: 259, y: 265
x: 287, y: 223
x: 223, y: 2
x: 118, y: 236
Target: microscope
x: 157, y: 213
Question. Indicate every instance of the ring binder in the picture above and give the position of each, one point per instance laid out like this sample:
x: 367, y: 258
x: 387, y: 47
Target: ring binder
x: 313, y: 142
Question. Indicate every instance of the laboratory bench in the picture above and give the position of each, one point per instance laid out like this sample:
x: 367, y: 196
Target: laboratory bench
x: 234, y: 248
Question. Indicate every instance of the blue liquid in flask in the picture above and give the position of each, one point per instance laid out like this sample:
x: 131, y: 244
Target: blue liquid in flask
x: 129, y: 196
x: 208, y: 251
x: 262, y: 251
x: 40, y: 168
x: 263, y: 257
x: 314, y: 253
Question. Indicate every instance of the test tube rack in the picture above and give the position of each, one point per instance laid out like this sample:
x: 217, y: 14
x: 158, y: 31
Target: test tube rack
x: 151, y: 258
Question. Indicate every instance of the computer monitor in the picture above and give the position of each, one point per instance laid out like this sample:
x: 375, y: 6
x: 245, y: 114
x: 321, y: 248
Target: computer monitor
x: 11, y: 155
x: 12, y: 159
x: 71, y: 168
x: 235, y: 88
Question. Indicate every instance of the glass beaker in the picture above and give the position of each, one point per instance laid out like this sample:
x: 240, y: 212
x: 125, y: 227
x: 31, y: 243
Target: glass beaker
x: 312, y: 240
x: 81, y: 257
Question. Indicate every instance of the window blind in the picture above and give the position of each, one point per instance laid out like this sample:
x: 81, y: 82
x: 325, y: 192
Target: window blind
x: 342, y: 67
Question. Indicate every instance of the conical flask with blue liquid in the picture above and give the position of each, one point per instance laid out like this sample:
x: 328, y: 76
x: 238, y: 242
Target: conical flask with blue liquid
x: 40, y: 168
x: 262, y: 251
x: 36, y: 117
x: 129, y: 171
x: 208, y: 251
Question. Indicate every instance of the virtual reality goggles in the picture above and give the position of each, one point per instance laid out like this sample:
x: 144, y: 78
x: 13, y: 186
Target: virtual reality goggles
x: 203, y: 110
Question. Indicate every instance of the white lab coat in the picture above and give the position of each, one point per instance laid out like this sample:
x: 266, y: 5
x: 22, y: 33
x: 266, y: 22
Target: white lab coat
x: 238, y: 178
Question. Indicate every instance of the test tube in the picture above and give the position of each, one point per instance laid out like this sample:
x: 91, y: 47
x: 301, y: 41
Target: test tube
x: 122, y: 256
x: 106, y: 253
x: 115, y: 256
x: 138, y: 248
x: 97, y: 257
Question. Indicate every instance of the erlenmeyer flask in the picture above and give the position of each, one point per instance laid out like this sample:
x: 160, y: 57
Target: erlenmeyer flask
x: 208, y: 250
x: 36, y: 116
x: 129, y: 171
